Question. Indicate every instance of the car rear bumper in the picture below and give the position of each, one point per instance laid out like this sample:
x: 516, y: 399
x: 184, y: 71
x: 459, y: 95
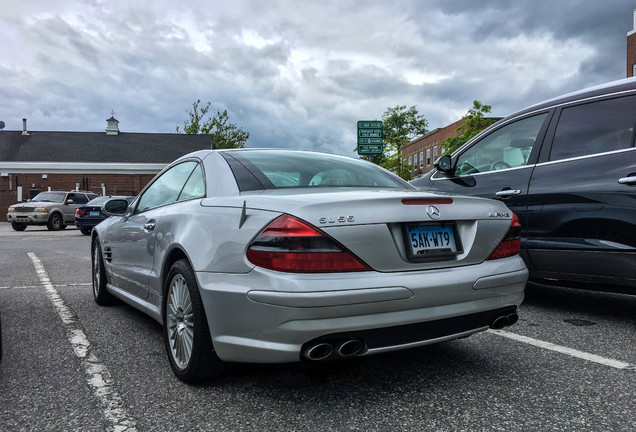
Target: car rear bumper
x: 268, y: 317
x: 87, y: 222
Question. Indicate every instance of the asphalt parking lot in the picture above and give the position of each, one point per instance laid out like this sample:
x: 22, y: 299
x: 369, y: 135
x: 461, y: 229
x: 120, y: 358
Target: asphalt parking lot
x: 569, y: 364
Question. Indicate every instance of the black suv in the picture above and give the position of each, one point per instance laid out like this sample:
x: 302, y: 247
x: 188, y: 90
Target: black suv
x: 55, y: 209
x: 567, y: 168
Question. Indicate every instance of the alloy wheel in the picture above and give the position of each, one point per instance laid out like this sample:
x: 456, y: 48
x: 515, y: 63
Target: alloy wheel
x: 180, y: 321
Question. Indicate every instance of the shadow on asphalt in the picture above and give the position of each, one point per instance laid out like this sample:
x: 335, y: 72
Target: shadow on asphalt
x: 581, y: 300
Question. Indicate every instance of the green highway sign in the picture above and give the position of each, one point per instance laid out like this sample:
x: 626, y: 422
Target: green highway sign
x: 370, y: 137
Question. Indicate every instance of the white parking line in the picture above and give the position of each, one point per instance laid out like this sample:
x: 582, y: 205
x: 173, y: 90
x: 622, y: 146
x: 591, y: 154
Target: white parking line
x: 617, y: 364
x: 40, y: 286
x: 97, y: 375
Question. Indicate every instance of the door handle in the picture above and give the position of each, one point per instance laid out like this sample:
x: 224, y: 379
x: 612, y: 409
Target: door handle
x: 149, y: 226
x: 631, y: 180
x: 507, y: 193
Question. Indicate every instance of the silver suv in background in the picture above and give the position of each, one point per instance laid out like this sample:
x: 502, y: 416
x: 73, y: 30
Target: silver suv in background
x: 55, y: 209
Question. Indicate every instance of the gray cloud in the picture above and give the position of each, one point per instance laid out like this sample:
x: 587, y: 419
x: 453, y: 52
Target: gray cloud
x: 297, y: 74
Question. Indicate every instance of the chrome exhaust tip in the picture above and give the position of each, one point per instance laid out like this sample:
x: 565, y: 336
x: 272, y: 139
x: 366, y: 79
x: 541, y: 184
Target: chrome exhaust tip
x: 500, y: 322
x: 319, y: 351
x: 350, y: 348
x: 512, y: 319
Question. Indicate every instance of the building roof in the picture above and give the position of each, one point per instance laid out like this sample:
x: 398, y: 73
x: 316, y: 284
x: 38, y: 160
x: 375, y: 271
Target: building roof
x: 98, y: 147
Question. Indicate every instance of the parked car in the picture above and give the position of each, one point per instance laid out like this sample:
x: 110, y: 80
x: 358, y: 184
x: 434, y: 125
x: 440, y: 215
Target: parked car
x: 89, y: 215
x: 567, y: 168
x: 281, y: 256
x: 55, y: 209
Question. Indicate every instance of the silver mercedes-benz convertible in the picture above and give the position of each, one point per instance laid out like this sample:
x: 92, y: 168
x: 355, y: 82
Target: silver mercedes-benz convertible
x: 279, y: 256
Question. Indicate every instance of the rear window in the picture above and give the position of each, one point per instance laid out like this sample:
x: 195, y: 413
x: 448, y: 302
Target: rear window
x: 277, y: 169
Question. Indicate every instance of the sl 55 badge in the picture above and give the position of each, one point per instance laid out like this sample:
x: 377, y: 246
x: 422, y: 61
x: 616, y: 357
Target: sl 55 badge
x: 341, y: 219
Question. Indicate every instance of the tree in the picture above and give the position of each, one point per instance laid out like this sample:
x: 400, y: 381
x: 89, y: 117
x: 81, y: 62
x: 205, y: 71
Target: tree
x: 473, y: 123
x: 224, y: 134
x: 401, y: 125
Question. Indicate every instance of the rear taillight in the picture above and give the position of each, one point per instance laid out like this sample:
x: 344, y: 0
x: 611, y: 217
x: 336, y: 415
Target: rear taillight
x: 291, y: 245
x: 79, y: 212
x: 509, y: 246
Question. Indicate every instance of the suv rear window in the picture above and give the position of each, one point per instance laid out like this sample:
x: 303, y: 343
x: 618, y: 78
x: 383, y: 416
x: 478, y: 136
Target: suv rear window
x: 595, y: 127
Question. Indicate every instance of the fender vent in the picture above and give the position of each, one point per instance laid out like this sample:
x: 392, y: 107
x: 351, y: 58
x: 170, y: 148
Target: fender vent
x: 108, y: 255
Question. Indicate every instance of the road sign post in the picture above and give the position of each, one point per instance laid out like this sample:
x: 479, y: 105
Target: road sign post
x: 370, y: 137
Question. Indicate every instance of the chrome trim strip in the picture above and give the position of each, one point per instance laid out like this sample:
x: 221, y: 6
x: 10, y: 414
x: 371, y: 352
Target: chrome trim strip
x: 586, y: 156
x: 425, y: 342
x: 479, y: 174
x: 434, y: 178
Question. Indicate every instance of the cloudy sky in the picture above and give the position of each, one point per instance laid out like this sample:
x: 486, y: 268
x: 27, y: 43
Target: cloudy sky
x: 296, y: 74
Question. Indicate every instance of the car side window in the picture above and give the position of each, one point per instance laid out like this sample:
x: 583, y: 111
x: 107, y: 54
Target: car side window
x: 595, y: 127
x: 194, y: 187
x: 80, y: 199
x: 507, y: 147
x: 165, y: 189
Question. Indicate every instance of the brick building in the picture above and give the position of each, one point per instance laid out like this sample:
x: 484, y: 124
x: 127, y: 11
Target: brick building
x: 422, y: 152
x: 631, y: 50
x: 108, y: 163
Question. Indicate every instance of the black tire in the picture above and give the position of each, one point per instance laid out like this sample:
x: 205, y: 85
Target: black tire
x: 0, y: 339
x: 85, y: 231
x: 55, y: 222
x: 183, y: 319
x: 63, y: 227
x: 100, y: 293
x: 18, y: 226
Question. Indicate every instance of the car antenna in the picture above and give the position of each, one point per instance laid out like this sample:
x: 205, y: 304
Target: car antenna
x: 243, y: 214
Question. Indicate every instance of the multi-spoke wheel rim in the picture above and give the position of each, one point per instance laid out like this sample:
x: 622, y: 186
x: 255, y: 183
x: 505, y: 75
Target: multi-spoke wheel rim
x: 179, y: 321
x: 96, y: 270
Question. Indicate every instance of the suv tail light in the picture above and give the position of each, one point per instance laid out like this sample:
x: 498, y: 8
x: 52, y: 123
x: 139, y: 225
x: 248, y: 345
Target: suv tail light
x: 292, y: 245
x: 510, y: 244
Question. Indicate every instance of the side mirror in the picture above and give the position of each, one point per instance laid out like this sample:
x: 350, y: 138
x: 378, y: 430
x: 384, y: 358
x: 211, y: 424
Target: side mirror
x: 69, y: 201
x: 444, y: 164
x: 115, y: 207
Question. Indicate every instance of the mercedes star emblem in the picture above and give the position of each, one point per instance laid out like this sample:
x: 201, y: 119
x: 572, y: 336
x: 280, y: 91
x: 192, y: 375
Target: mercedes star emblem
x: 432, y: 212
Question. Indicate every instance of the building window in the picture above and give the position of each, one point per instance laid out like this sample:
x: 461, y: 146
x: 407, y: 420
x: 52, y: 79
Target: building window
x: 410, y: 161
x: 415, y: 161
x: 434, y: 154
x: 421, y: 159
x: 428, y: 156
x: 634, y: 69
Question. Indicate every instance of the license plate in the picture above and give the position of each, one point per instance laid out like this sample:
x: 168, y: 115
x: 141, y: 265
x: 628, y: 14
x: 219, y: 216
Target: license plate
x: 94, y: 213
x: 425, y: 240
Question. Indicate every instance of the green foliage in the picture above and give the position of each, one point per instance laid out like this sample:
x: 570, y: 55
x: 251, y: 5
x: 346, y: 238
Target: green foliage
x: 224, y: 134
x: 400, y: 126
x: 473, y: 123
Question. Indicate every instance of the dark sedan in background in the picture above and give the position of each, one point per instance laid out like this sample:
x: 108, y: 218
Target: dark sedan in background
x: 567, y: 168
x: 89, y: 215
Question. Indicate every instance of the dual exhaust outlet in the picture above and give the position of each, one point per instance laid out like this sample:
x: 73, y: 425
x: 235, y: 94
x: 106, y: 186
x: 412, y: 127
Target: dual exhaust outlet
x: 504, y: 321
x: 322, y: 350
x: 326, y: 349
